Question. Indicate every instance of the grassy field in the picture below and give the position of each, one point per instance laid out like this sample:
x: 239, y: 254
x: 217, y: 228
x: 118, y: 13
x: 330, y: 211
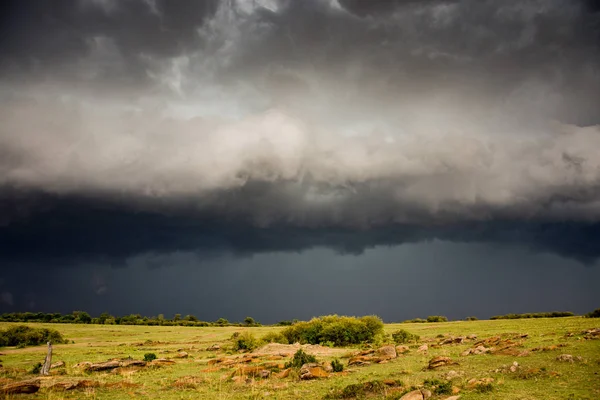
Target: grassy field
x: 539, y: 374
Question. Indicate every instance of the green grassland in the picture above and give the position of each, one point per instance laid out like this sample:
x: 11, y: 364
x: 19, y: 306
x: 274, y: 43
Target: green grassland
x: 539, y: 376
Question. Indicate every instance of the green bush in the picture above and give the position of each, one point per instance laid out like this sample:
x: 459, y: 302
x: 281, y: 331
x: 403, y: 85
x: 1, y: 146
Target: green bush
x: 437, y: 318
x: 594, y: 314
x: 274, y: 337
x: 401, y: 336
x: 23, y: 335
x: 245, y: 341
x: 149, y: 357
x: 300, y: 358
x: 438, y: 387
x: 414, y: 321
x: 36, y: 368
x: 341, y: 331
x: 337, y: 365
x: 471, y: 319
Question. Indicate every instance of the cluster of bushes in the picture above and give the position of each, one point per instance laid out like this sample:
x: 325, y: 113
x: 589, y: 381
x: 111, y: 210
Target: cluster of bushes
x: 593, y: 314
x: 82, y: 317
x: 431, y: 318
x: 554, y: 314
x: 22, y: 336
x: 401, y: 336
x: 336, y: 330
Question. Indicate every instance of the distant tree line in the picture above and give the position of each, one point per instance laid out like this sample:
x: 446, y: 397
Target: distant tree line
x: 82, y: 317
x: 553, y: 314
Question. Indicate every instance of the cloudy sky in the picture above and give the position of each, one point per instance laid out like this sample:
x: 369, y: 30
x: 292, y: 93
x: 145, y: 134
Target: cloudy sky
x: 291, y: 158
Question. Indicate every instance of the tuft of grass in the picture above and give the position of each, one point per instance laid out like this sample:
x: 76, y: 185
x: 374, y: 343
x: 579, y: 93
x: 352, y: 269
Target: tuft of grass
x: 358, y: 390
x: 484, y: 388
x: 36, y: 368
x: 337, y: 365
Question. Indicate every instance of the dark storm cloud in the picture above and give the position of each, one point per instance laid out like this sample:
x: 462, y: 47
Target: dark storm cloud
x: 53, y: 40
x: 76, y: 231
x: 133, y: 127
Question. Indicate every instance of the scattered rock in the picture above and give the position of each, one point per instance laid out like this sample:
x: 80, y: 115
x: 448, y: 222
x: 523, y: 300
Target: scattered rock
x: 214, y: 347
x: 452, y: 340
x: 591, y: 333
x: 161, y: 362
x: 312, y: 371
x: 22, y: 387
x: 283, y: 374
x: 387, y: 352
x: 59, y: 364
x: 327, y: 366
x: 414, y: 395
x: 359, y: 360
x: 472, y: 383
x: 182, y: 354
x: 440, y: 361
x: 423, y: 349
x: 105, y: 366
x: 565, y: 358
x: 476, y: 350
x: 401, y: 349
x: 472, y: 336
x: 451, y: 375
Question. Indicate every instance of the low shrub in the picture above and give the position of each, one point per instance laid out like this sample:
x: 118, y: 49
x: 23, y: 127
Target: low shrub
x: 245, y: 341
x: 149, y: 357
x: 471, y: 319
x: 438, y: 387
x: 274, y: 337
x: 484, y: 388
x: 414, y: 321
x: 401, y: 336
x: 358, y: 390
x: 23, y: 335
x: 337, y: 365
x: 437, y: 318
x: 593, y: 314
x: 300, y: 358
x: 340, y: 330
x: 36, y: 368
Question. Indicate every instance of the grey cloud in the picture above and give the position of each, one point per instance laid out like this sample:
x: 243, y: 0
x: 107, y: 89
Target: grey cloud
x: 322, y: 120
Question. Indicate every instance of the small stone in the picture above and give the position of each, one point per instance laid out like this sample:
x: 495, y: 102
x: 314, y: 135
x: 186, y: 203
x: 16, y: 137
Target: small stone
x: 565, y: 358
x: 400, y: 349
x: 423, y: 349
x: 387, y: 352
x: 414, y: 395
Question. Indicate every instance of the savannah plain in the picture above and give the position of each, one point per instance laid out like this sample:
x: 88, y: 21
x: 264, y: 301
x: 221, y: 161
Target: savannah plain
x: 546, y: 358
